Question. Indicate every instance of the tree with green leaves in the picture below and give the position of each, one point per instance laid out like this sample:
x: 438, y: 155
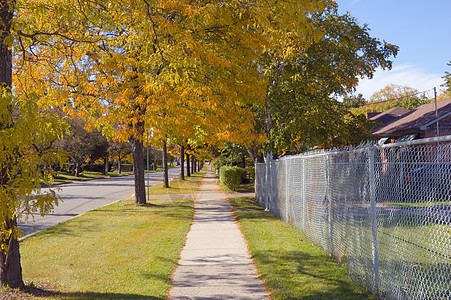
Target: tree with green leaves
x: 306, y: 76
x: 354, y: 101
x: 397, y: 95
x: 82, y: 145
x: 446, y: 93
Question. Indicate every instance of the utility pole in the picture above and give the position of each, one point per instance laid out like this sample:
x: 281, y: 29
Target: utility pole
x: 148, y: 171
x: 436, y: 111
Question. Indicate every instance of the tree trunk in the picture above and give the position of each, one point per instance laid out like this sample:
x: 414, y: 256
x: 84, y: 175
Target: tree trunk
x: 255, y: 156
x: 182, y: 162
x: 6, y: 15
x: 10, y: 266
x: 193, y: 164
x: 188, y: 167
x: 165, y: 166
x: 11, y: 270
x: 106, y: 165
x: 138, y: 171
x: 119, y: 165
x: 77, y: 169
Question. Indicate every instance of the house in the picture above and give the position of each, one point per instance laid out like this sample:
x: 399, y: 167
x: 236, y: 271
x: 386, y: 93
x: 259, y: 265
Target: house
x: 399, y: 124
x: 386, y: 117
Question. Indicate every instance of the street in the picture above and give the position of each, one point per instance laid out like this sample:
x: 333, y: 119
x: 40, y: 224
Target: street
x: 80, y: 197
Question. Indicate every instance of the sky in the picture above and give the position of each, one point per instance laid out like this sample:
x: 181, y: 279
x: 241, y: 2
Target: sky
x: 422, y: 31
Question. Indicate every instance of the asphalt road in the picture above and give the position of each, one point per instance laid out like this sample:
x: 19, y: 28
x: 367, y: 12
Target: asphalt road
x: 80, y: 197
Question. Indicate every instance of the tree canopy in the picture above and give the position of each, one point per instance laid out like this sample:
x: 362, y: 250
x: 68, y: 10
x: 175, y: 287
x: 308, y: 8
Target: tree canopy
x: 392, y: 96
x: 178, y: 68
x: 301, y: 109
x: 264, y: 74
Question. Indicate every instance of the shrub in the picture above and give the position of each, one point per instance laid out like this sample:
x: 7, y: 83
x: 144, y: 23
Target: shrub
x: 230, y: 177
x: 249, y: 174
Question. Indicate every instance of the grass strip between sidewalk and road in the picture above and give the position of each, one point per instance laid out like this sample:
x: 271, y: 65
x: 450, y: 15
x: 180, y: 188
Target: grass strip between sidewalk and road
x: 119, y: 251
x: 85, y: 175
x: 190, y: 185
x: 290, y: 266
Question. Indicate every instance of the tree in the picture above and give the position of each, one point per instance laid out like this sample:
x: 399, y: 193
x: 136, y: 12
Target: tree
x: 81, y: 144
x: 397, y: 95
x: 306, y: 75
x: 182, y: 162
x: 25, y: 157
x: 446, y: 93
x: 119, y: 150
x: 144, y: 64
x: 121, y: 76
x: 165, y: 165
x: 354, y: 101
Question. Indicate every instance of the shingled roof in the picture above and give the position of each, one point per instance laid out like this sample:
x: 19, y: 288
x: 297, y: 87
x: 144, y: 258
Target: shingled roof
x: 413, y: 121
x: 389, y: 116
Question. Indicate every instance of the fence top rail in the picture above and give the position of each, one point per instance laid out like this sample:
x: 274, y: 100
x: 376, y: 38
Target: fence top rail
x: 445, y: 138
x: 365, y: 147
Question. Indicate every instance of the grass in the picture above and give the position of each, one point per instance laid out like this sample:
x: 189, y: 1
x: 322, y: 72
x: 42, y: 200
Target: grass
x: 291, y: 267
x: 62, y: 177
x: 188, y: 186
x: 116, y: 252
x: 246, y: 188
x: 405, y: 205
x: 242, y: 188
x: 85, y: 175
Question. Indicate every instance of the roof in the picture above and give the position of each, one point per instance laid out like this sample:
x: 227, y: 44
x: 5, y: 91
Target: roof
x: 388, y: 116
x: 415, y: 120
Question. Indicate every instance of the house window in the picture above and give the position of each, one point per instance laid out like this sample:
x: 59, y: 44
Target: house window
x: 406, y: 138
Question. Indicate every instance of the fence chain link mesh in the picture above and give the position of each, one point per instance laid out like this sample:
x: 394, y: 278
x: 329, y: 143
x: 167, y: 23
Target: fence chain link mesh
x: 386, y: 211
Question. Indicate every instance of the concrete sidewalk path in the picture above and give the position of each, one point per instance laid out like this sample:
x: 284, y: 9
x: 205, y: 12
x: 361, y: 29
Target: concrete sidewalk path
x: 215, y: 262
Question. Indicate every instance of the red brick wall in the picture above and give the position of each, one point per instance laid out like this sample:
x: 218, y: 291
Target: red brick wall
x: 444, y: 126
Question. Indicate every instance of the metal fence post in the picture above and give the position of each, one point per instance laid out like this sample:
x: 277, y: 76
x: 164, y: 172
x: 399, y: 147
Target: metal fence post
x: 329, y: 207
x: 286, y: 190
x: 304, y: 200
x: 256, y: 185
x: 373, y: 216
x: 268, y: 181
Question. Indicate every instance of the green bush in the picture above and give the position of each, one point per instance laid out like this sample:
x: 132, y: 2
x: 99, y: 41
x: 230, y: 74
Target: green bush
x: 250, y: 173
x: 230, y: 177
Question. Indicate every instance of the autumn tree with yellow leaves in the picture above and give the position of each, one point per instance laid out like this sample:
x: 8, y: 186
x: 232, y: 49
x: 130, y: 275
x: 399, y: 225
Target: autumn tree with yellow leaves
x: 184, y: 69
x: 26, y: 153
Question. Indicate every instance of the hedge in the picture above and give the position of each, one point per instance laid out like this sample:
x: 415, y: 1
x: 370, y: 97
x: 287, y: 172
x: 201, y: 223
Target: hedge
x: 230, y: 177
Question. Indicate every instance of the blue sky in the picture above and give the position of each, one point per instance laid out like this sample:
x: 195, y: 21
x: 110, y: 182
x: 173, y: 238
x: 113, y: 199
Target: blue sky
x: 421, y: 29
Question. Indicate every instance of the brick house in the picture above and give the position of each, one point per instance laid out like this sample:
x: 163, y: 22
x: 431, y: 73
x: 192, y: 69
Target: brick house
x: 400, y: 124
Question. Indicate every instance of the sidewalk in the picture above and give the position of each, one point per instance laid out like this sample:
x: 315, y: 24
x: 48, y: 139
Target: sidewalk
x: 215, y: 262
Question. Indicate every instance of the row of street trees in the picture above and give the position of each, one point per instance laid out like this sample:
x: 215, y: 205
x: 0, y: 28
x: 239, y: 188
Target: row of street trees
x: 194, y: 73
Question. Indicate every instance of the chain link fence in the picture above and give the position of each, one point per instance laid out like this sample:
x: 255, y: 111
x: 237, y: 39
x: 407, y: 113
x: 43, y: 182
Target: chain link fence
x: 385, y: 210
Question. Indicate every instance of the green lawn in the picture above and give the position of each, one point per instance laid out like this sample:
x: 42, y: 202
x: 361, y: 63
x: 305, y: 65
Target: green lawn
x: 290, y: 266
x: 85, y: 175
x: 116, y: 252
x: 190, y: 185
x: 407, y: 205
